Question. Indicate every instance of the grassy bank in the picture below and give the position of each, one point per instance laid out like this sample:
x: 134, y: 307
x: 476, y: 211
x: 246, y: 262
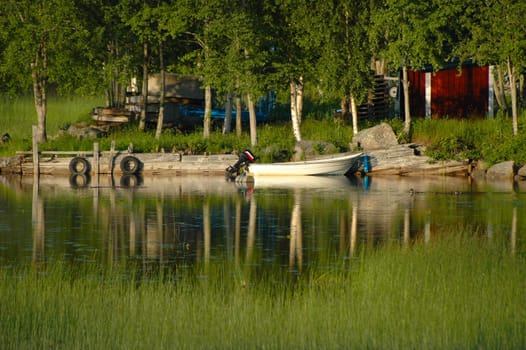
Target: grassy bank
x: 460, y: 292
x: 18, y: 115
x: 489, y: 140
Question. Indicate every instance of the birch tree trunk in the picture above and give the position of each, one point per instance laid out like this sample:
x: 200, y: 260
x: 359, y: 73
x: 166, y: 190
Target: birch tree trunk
x: 144, y: 112
x: 38, y: 74
x: 407, y: 109
x: 252, y: 119
x: 499, y: 89
x: 296, y: 106
x: 208, y: 112
x: 160, y: 118
x: 522, y: 93
x: 227, y: 125
x: 238, y: 116
x: 343, y: 107
x: 513, y: 89
x: 354, y: 111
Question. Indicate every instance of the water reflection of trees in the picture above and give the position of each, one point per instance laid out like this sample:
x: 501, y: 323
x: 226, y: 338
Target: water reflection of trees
x: 259, y: 228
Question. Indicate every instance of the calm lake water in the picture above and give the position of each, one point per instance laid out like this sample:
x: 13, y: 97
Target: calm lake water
x: 286, y: 222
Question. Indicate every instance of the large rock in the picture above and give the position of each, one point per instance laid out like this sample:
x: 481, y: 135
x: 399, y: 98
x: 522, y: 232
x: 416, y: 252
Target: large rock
x: 378, y: 137
x: 83, y: 131
x: 522, y: 172
x: 504, y: 170
x: 6, y: 138
x: 10, y: 165
x: 305, y: 150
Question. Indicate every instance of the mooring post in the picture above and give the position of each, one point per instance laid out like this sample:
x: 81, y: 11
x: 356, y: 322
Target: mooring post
x: 96, y: 158
x: 112, y: 153
x: 36, y: 164
x: 96, y: 163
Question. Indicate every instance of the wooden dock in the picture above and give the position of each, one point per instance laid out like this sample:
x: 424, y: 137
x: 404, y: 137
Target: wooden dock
x: 58, y: 163
x: 112, y: 162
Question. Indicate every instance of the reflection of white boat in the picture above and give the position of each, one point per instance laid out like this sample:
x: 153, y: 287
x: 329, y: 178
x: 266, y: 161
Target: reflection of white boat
x: 336, y: 165
x: 336, y: 183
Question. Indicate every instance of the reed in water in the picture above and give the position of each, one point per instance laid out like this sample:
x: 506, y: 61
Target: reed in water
x: 458, y: 291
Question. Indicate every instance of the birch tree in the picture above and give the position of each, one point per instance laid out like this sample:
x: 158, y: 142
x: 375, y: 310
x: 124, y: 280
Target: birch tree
x: 498, y: 36
x: 409, y: 34
x: 43, y: 36
x: 231, y: 54
x: 143, y: 23
x: 295, y: 52
x: 245, y: 58
x: 112, y: 48
x: 345, y: 57
x: 200, y: 16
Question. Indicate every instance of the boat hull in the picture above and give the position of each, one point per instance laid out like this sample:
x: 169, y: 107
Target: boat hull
x: 338, y: 165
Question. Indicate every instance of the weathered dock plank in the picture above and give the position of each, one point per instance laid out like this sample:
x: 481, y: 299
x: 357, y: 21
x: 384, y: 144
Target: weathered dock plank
x: 403, y: 160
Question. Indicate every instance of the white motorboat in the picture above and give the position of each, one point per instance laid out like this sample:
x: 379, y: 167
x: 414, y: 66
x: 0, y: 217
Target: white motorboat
x: 333, y: 165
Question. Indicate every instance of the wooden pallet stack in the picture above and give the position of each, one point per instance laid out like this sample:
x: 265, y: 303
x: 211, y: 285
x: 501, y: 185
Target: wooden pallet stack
x: 377, y: 105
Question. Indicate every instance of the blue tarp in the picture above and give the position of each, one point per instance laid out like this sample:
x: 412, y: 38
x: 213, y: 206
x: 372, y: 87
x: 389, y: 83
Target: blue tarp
x: 199, y: 112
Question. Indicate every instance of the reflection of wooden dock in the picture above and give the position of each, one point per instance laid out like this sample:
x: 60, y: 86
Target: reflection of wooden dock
x: 166, y: 185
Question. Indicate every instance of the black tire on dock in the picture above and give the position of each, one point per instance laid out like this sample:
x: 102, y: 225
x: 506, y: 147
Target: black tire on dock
x: 130, y: 165
x: 79, y: 165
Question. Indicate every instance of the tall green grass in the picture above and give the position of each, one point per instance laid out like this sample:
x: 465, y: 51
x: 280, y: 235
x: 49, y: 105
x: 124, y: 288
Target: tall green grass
x: 491, y: 140
x: 18, y: 115
x: 456, y: 292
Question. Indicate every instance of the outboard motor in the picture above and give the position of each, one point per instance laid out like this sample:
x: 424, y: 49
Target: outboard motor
x: 245, y: 158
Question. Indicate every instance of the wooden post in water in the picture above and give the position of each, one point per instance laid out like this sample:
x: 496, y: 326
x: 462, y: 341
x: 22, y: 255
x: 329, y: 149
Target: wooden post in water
x: 96, y: 158
x: 354, y: 229
x: 96, y: 163
x: 36, y: 164
x: 112, y: 153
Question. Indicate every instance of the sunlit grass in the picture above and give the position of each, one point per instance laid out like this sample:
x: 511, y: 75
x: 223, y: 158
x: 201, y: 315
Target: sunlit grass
x: 456, y: 292
x: 18, y: 115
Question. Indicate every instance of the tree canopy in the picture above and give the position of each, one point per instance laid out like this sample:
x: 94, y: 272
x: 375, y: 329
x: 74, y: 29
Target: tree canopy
x: 245, y: 48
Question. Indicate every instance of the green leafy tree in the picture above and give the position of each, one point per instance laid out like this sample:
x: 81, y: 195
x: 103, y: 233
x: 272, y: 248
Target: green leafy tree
x: 141, y: 17
x: 114, y: 48
x: 297, y: 38
x: 498, y: 36
x: 248, y: 54
x: 46, y: 45
x: 409, y: 33
x: 198, y: 19
x: 227, y: 51
x: 344, y: 63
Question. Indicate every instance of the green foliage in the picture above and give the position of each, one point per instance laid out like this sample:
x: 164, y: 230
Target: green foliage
x: 331, y: 130
x: 506, y: 148
x: 453, y: 147
x: 398, y: 128
x: 489, y: 140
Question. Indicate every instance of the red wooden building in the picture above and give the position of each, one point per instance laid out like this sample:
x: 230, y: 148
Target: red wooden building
x: 451, y: 92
